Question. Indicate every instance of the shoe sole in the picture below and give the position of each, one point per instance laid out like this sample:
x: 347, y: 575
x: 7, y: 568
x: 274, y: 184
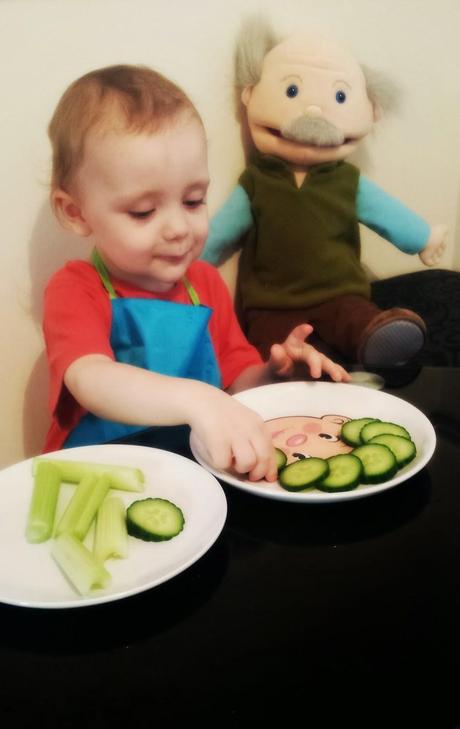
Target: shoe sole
x: 393, y: 344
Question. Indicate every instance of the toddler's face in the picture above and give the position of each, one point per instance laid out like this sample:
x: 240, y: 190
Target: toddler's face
x: 143, y: 197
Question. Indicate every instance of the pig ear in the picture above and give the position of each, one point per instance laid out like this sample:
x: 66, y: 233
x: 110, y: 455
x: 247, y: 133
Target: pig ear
x: 338, y: 419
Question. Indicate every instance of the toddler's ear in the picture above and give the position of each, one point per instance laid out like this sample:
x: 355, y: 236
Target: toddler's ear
x: 69, y: 213
x: 246, y: 95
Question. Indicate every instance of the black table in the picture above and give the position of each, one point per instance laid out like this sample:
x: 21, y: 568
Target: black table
x: 318, y: 615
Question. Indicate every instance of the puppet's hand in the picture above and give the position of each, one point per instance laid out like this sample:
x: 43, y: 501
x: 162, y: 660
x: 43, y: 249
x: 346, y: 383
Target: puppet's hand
x: 434, y: 249
x: 295, y: 349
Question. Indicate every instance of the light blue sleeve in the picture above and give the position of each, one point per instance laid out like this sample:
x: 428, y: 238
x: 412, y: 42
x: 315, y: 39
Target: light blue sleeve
x: 388, y: 217
x: 227, y: 226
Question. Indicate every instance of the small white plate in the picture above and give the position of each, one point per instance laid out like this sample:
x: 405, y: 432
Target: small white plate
x: 29, y: 577
x: 322, y: 399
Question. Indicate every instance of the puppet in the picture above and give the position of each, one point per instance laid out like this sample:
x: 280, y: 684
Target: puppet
x: 307, y: 104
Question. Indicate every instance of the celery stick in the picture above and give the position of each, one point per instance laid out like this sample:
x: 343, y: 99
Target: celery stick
x: 42, y: 510
x: 83, y: 506
x: 111, y: 535
x: 125, y: 478
x: 78, y: 564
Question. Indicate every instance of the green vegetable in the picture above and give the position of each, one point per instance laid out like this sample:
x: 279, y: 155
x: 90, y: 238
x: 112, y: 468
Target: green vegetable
x: 154, y: 520
x: 345, y: 472
x: 111, y: 535
x: 350, y: 432
x: 83, y: 505
x: 124, y: 478
x: 42, y: 510
x: 78, y: 564
x: 280, y: 458
x: 303, y: 474
x: 404, y: 450
x: 379, y: 463
x: 370, y: 430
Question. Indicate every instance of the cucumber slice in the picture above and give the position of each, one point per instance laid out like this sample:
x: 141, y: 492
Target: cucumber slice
x: 303, y: 474
x: 370, y: 430
x: 379, y: 463
x: 404, y: 450
x: 154, y: 520
x: 351, y: 430
x: 345, y: 471
x: 280, y: 458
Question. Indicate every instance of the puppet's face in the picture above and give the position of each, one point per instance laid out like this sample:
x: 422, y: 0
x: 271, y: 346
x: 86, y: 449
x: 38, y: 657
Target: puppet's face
x: 302, y: 436
x: 311, y: 104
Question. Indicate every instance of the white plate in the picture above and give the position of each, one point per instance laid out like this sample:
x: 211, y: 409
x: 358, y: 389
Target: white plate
x: 28, y: 574
x: 319, y: 399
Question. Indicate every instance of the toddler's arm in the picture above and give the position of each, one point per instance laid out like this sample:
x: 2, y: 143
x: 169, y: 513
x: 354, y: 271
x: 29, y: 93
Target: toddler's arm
x: 229, y: 434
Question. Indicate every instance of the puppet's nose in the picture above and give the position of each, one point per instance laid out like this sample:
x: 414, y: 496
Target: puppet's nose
x: 313, y: 111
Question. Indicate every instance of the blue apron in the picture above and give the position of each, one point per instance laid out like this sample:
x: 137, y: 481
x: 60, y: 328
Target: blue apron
x: 160, y: 336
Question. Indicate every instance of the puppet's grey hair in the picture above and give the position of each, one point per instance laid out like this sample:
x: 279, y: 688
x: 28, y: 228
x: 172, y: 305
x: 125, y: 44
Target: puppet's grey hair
x: 382, y: 91
x: 256, y: 38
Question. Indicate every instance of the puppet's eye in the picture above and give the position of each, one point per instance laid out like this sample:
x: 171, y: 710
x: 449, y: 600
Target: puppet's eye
x: 340, y: 97
x: 328, y: 436
x: 292, y: 91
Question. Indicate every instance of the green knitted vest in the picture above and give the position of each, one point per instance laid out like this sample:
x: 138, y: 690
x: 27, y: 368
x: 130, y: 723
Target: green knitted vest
x: 304, y: 247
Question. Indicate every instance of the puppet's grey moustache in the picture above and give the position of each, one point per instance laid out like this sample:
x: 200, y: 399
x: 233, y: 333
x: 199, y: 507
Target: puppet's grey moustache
x: 313, y: 130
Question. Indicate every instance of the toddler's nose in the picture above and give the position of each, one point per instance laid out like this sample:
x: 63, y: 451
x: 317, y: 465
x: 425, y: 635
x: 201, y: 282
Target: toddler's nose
x: 175, y: 226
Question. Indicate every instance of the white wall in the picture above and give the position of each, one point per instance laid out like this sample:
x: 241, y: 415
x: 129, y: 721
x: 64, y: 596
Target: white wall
x: 46, y: 44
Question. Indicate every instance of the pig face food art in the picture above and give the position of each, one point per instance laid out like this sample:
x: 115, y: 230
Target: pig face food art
x: 304, y: 436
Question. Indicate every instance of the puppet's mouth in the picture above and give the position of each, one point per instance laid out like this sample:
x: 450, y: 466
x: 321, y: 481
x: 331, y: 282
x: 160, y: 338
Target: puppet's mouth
x: 312, y: 139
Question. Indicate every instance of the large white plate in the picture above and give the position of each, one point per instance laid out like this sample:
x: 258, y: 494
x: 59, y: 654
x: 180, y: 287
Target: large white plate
x: 318, y: 399
x: 28, y: 574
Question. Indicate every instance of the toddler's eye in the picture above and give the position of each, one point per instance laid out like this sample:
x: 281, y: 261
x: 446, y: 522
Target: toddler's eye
x: 340, y: 97
x: 328, y: 436
x: 141, y: 214
x: 194, y: 203
x: 292, y: 91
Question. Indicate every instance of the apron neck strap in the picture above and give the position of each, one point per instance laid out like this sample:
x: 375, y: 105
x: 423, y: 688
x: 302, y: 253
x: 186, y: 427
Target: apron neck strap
x: 100, y: 267
x: 194, y: 298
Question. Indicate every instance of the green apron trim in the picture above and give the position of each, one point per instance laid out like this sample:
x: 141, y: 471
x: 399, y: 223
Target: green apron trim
x: 194, y: 298
x: 100, y: 267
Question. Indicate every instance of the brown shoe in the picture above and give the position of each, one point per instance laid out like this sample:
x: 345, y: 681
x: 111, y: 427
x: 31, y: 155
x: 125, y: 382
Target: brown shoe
x: 392, y: 338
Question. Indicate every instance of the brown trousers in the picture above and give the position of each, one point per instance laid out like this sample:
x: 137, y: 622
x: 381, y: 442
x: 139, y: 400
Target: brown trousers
x: 338, y: 324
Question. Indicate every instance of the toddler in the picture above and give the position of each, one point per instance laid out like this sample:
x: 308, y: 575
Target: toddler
x: 144, y: 334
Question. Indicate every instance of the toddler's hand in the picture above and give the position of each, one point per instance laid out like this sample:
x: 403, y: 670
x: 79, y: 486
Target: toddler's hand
x: 295, y: 349
x: 229, y: 435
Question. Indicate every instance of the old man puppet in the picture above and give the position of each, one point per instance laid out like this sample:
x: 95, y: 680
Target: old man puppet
x: 295, y: 212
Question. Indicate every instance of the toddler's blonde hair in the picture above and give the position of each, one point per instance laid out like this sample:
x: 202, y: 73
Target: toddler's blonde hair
x: 115, y: 98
